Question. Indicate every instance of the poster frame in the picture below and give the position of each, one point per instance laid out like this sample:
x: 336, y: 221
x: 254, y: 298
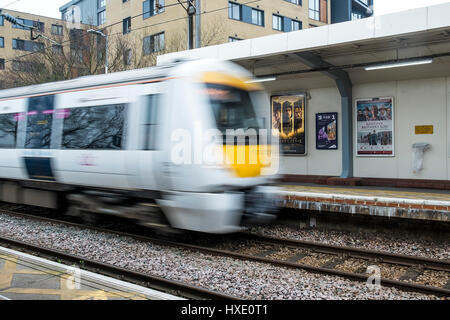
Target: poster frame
x: 337, y: 131
x: 305, y: 115
x: 355, y: 121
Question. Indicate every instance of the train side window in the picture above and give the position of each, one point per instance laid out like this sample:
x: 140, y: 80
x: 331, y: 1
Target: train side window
x: 8, y: 130
x: 151, y: 122
x: 98, y: 127
x: 39, y: 122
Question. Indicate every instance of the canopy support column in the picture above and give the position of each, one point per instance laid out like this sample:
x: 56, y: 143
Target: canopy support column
x: 345, y: 87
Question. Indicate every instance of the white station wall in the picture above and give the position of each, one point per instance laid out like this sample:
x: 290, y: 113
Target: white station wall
x: 315, y: 162
x: 416, y: 102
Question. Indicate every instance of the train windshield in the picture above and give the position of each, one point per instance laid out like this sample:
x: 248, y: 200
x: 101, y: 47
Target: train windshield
x: 233, y: 108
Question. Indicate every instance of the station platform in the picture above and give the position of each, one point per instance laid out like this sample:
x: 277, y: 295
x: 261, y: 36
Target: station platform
x: 26, y: 277
x: 407, y: 203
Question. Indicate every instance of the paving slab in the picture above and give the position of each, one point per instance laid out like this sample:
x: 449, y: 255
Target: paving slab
x: 26, y: 277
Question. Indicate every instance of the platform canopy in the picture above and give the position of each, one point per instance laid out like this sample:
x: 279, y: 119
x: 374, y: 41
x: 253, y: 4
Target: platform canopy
x: 423, y: 32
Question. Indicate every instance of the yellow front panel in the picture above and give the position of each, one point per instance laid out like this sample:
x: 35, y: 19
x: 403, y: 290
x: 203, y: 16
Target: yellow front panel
x: 247, y: 161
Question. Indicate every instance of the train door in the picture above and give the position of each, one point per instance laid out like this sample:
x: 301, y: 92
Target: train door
x: 150, y: 140
x: 37, y: 156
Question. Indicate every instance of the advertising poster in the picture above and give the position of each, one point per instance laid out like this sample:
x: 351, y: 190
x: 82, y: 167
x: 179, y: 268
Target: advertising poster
x: 375, y: 127
x: 326, y: 131
x: 288, y: 118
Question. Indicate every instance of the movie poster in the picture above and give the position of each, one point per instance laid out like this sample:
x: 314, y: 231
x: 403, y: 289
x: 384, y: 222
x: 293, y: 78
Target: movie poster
x: 326, y: 131
x: 375, y: 127
x: 288, y: 118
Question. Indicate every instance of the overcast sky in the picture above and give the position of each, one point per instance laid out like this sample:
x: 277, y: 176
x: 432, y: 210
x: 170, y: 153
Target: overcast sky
x: 50, y: 8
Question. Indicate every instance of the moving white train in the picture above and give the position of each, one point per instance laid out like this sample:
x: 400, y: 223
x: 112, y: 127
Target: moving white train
x: 145, y: 144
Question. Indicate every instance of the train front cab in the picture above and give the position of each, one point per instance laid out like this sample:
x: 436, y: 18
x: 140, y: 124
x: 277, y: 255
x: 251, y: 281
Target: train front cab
x: 231, y: 185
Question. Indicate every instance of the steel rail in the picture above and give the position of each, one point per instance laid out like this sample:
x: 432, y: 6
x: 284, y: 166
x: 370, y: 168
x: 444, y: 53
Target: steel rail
x: 383, y: 256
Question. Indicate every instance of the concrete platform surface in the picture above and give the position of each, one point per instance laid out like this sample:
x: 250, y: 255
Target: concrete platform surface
x: 386, y: 202
x: 26, y: 277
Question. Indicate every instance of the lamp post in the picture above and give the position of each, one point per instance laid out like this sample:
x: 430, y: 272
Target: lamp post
x: 106, y: 46
x: 191, y: 11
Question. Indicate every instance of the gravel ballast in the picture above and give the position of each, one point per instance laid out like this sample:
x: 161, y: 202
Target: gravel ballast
x: 244, y: 279
x: 367, y: 239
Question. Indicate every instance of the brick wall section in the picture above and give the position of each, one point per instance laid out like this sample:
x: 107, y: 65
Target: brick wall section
x: 375, y: 208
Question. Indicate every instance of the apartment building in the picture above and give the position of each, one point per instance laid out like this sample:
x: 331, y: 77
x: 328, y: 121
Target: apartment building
x: 160, y: 26
x: 16, y: 41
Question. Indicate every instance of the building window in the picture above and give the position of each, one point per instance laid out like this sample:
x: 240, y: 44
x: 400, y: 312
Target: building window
x: 98, y: 127
x: 257, y: 17
x: 101, y: 4
x: 277, y: 22
x: 314, y: 9
x: 297, y: 2
x: 296, y: 25
x: 127, y: 25
x: 26, y: 45
x: 57, y: 30
x: 127, y: 57
x: 233, y: 39
x: 2, y: 42
x: 22, y: 66
x: 356, y: 15
x: 77, y: 55
x: 246, y: 14
x: 234, y: 11
x: 57, y: 49
x: 101, y: 17
x: 38, y: 25
x: 154, y: 43
x: 76, y: 39
x: 2, y: 64
x: 2, y: 22
x: 68, y: 16
x: 152, y: 7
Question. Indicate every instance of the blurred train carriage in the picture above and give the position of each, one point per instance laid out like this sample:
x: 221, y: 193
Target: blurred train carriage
x: 187, y: 145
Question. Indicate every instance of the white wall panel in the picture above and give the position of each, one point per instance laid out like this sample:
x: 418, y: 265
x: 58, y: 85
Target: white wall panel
x: 422, y: 102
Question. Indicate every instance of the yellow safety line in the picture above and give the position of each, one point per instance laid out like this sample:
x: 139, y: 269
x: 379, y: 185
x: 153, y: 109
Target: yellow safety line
x: 5, y: 274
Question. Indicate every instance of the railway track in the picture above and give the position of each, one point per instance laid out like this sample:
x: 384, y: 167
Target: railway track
x: 143, y: 279
x: 401, y: 271
x: 410, y: 273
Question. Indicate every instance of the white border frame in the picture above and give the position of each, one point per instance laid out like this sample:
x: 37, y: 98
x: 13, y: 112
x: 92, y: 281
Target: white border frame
x: 355, y: 124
